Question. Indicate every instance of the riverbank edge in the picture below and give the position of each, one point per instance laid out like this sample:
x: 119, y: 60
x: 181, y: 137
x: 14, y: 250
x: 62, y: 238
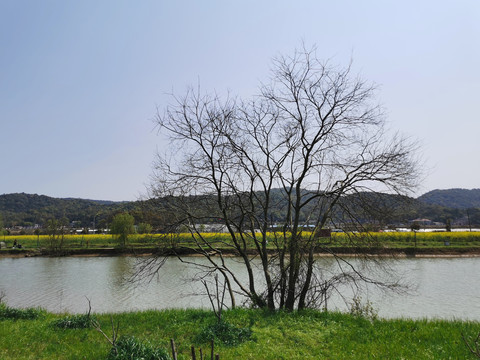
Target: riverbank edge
x: 183, y: 251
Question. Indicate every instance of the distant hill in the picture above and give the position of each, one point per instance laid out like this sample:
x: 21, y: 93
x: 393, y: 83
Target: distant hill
x: 24, y: 202
x: 460, y: 206
x: 29, y: 209
x: 453, y: 198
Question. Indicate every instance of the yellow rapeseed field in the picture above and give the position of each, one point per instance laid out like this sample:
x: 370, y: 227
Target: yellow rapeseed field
x: 389, y: 238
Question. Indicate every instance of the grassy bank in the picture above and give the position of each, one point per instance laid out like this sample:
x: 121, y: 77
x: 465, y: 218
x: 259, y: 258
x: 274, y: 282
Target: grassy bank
x: 435, y: 243
x: 305, y: 335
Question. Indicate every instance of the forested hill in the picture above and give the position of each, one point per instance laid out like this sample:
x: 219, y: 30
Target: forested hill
x: 29, y: 209
x: 26, y: 210
x: 19, y: 202
x: 453, y: 198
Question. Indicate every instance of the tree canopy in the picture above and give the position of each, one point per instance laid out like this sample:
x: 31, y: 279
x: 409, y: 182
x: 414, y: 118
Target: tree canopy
x: 315, y: 134
x: 122, y: 226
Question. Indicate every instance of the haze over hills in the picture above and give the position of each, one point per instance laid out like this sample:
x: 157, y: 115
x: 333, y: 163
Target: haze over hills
x: 20, y: 209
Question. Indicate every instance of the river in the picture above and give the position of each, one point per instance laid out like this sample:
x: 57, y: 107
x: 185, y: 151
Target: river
x: 440, y: 287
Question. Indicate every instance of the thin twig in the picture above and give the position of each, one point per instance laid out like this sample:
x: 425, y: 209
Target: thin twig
x: 476, y: 342
x: 174, y: 351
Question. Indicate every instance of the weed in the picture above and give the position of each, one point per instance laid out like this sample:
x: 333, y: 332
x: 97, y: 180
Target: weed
x: 130, y: 348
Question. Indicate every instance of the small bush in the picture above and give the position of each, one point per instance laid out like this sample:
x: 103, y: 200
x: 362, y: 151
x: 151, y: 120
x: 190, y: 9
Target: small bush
x: 367, y: 311
x: 7, y: 312
x: 224, y: 332
x: 129, y: 348
x: 74, y: 322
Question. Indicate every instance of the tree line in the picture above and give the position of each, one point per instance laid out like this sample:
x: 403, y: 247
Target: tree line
x: 27, y: 210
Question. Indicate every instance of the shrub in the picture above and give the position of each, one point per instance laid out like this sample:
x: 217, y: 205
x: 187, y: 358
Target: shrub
x: 74, y: 322
x: 358, y: 309
x: 130, y: 348
x: 224, y: 332
x: 7, y: 312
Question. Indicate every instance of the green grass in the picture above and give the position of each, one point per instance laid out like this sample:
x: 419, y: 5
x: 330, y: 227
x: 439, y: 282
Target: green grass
x: 9, y: 313
x: 304, y: 335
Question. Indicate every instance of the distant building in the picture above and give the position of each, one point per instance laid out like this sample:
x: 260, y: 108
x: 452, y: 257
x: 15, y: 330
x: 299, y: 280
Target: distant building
x: 212, y: 228
x: 426, y: 222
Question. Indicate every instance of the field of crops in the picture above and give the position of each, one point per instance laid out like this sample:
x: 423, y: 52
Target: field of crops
x: 430, y: 239
x: 388, y: 239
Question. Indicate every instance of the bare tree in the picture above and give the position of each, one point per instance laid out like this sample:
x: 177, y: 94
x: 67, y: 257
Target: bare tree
x: 304, y: 151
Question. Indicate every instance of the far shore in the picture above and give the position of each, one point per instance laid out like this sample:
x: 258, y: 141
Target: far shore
x: 424, y: 252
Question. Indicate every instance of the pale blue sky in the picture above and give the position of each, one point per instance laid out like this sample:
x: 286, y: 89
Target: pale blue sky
x: 80, y: 80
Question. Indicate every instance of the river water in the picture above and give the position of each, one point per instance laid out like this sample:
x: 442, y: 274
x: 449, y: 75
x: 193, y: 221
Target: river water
x: 439, y: 287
